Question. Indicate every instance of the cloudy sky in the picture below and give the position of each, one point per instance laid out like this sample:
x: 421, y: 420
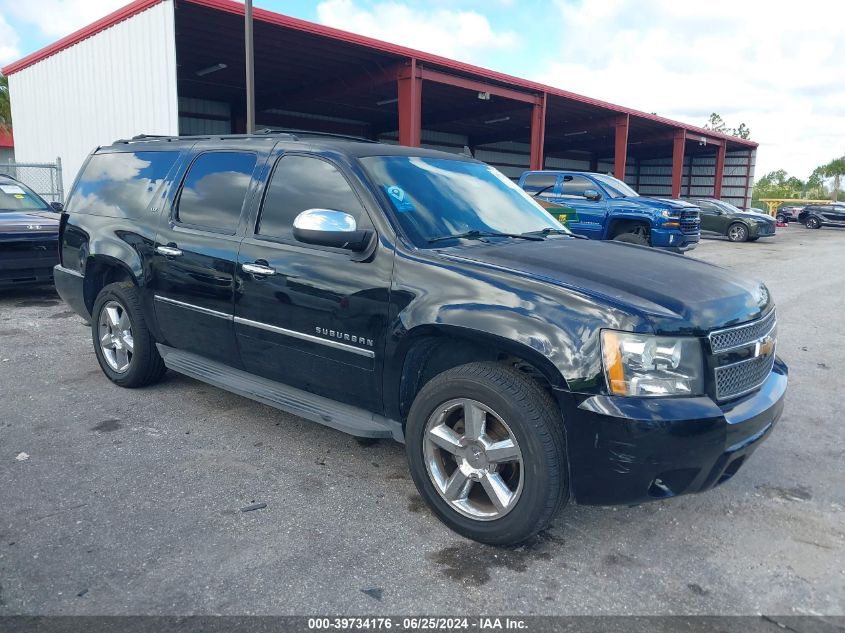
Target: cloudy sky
x: 777, y: 66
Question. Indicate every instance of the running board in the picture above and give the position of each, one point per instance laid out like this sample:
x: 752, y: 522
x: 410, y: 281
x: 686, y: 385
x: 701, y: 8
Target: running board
x: 337, y: 415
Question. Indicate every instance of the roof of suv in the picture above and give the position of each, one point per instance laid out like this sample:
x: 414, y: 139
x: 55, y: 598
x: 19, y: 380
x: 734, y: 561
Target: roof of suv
x: 294, y: 139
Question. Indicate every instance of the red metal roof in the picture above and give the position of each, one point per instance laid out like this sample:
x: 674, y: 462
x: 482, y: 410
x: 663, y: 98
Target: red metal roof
x: 7, y: 139
x: 270, y: 17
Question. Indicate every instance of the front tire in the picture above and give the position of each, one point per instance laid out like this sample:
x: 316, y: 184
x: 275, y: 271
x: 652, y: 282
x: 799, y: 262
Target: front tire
x: 486, y: 450
x: 123, y: 344
x: 640, y: 239
x: 737, y: 232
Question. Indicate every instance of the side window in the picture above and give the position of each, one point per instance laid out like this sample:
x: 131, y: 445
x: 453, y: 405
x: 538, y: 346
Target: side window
x: 299, y: 183
x: 120, y: 184
x: 544, y: 184
x: 214, y: 190
x: 706, y: 207
x: 575, y: 186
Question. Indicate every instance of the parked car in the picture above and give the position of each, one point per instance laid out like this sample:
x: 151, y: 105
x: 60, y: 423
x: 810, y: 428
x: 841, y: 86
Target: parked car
x: 29, y: 235
x: 722, y: 218
x: 815, y: 216
x: 391, y: 291
x: 787, y: 214
x: 608, y: 209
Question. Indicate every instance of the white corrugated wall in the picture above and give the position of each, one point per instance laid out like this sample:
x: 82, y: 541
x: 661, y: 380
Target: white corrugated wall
x: 115, y: 84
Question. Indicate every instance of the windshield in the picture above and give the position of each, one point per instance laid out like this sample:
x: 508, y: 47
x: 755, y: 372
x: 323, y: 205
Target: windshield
x: 616, y: 188
x: 437, y: 197
x: 16, y: 197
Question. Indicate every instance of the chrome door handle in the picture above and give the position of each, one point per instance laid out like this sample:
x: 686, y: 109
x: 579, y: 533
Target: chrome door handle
x: 169, y: 251
x: 258, y: 269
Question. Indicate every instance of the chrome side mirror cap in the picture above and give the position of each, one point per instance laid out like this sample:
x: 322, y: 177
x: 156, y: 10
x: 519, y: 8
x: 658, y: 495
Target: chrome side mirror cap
x: 329, y: 227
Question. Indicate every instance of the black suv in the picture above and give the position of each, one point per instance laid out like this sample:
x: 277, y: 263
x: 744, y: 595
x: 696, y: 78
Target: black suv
x: 815, y: 216
x: 400, y: 292
x: 29, y: 235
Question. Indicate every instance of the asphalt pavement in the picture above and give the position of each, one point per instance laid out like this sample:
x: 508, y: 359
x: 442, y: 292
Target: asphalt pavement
x: 116, y: 501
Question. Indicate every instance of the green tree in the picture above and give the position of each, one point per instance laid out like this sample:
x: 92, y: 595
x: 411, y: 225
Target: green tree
x: 778, y: 184
x: 717, y: 124
x: 834, y: 169
x: 5, y: 104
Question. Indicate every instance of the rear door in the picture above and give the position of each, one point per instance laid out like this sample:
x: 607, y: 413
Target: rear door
x: 833, y: 213
x: 196, y: 253
x: 318, y: 319
x: 592, y: 214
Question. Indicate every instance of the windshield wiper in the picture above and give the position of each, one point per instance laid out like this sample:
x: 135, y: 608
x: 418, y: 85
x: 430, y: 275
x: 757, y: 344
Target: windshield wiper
x: 551, y: 231
x: 476, y: 234
x: 543, y: 190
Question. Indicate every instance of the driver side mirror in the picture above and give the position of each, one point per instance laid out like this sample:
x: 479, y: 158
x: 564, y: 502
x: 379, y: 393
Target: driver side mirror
x: 592, y: 194
x: 327, y: 227
x: 58, y: 207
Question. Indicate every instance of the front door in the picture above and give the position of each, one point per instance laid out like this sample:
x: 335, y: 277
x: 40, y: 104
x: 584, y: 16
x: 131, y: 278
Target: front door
x: 312, y: 317
x: 712, y: 217
x: 196, y: 255
x: 591, y: 214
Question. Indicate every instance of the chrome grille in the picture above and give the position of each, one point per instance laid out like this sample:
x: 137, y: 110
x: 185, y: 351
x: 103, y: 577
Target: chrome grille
x: 739, y: 378
x: 690, y: 222
x: 742, y: 335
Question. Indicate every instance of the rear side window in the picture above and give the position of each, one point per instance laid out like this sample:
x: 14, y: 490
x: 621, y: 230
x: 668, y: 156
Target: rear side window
x: 542, y: 184
x: 576, y: 186
x: 120, y: 184
x: 300, y: 183
x: 214, y: 190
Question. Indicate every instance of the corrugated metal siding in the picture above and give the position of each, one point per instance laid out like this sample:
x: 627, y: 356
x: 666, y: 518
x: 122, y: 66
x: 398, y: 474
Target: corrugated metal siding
x: 115, y: 84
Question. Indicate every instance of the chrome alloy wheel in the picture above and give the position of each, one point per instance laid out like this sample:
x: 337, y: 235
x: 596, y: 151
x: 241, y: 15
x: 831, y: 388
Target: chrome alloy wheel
x: 473, y: 459
x: 115, y: 331
x: 737, y: 233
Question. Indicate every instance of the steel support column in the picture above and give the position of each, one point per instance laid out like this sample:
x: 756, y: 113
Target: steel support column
x: 678, y: 143
x: 538, y: 132
x: 621, y: 150
x: 720, y: 170
x: 410, y: 105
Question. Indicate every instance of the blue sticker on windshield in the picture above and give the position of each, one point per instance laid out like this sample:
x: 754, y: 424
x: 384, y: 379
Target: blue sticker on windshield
x: 398, y: 198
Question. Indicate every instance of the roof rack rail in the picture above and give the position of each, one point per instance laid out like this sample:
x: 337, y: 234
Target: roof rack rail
x: 295, y: 133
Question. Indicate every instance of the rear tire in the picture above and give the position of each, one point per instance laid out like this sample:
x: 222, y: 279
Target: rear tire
x: 641, y: 239
x: 486, y: 451
x: 813, y: 223
x: 123, y: 344
x: 737, y: 232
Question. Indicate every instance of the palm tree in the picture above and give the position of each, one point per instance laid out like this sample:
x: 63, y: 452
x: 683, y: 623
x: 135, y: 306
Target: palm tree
x: 834, y: 169
x: 5, y: 104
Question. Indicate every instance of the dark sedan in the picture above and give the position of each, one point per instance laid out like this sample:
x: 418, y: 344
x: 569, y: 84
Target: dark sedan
x: 722, y: 218
x: 29, y: 235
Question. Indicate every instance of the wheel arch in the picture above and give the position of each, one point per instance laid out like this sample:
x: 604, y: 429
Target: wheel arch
x: 429, y: 350
x: 100, y: 271
x: 620, y: 225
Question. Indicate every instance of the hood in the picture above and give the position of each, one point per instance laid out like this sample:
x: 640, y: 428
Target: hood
x: 29, y: 221
x: 675, y: 293
x: 664, y: 203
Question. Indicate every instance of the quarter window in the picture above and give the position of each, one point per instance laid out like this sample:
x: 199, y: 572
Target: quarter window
x: 300, y: 183
x: 214, y: 190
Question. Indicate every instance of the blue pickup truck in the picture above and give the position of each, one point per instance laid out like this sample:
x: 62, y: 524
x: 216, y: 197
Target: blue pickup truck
x: 607, y: 209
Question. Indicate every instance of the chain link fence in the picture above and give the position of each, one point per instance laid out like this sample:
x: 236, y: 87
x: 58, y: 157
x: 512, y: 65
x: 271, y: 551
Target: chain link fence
x: 45, y: 179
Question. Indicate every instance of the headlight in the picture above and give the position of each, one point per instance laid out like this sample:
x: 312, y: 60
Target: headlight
x: 670, y: 213
x: 646, y: 365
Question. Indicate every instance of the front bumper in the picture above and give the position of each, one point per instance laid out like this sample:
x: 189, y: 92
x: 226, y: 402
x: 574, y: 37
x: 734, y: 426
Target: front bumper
x: 631, y: 450
x: 673, y: 240
x: 762, y: 230
x: 33, y: 265
x: 70, y: 285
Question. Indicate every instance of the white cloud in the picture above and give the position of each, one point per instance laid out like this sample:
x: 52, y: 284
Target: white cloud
x: 777, y: 67
x: 57, y: 18
x: 9, y: 43
x: 464, y: 35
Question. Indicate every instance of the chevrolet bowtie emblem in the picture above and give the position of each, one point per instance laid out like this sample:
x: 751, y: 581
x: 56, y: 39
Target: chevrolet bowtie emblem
x: 764, y: 347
